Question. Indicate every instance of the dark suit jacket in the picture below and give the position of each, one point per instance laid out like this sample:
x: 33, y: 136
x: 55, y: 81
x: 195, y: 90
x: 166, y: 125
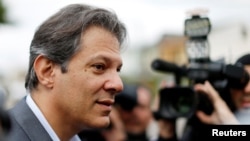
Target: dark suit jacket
x: 24, y: 124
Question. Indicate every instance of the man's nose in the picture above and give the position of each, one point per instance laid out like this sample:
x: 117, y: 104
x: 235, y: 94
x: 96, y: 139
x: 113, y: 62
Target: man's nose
x: 114, y: 83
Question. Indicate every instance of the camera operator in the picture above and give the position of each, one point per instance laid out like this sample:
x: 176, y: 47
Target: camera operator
x: 137, y: 111
x: 238, y: 99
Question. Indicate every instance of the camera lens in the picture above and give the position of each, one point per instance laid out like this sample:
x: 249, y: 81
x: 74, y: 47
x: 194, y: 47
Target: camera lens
x: 183, y: 104
x: 177, y: 102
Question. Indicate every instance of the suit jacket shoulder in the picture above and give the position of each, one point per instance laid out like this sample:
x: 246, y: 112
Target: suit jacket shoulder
x: 24, y: 124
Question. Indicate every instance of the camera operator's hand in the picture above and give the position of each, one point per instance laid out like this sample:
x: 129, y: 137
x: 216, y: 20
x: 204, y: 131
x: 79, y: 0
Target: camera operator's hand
x: 221, y: 114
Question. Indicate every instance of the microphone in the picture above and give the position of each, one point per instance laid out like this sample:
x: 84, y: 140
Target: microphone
x: 164, y: 66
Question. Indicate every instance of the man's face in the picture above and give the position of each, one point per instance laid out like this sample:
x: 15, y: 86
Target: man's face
x: 86, y: 91
x: 241, y: 98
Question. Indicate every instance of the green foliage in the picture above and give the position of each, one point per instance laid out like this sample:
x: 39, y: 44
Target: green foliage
x: 2, y: 13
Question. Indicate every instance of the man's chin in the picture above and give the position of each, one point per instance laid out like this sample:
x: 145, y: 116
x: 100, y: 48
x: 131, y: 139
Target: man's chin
x: 101, y: 123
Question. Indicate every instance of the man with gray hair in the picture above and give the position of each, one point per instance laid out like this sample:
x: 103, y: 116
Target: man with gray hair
x: 73, y: 75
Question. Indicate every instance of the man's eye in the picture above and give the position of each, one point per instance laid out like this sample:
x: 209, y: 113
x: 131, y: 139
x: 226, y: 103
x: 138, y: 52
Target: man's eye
x: 99, y: 66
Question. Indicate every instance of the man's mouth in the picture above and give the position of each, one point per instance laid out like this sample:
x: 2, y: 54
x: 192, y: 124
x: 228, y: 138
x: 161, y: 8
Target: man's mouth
x: 106, y: 104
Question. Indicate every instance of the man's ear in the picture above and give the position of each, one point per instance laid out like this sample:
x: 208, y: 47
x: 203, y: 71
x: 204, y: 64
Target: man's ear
x: 44, y: 69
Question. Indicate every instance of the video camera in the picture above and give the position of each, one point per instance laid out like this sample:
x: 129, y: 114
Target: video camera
x: 182, y: 101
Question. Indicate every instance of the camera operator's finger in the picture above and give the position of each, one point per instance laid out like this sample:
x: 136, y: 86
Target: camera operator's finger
x: 217, y: 102
x: 208, y: 89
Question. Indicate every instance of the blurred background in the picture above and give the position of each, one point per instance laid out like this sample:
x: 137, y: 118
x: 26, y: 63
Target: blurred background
x: 155, y: 27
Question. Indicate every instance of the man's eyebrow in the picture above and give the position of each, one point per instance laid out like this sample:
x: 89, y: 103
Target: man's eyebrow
x: 105, y: 58
x: 102, y: 57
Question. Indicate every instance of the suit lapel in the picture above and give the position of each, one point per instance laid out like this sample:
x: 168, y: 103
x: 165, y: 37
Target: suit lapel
x: 29, y: 122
